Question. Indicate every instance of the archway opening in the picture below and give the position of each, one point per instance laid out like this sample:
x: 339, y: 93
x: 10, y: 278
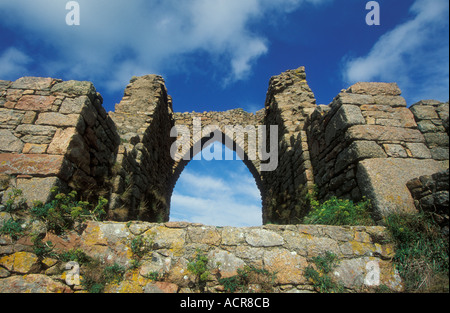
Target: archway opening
x: 217, y: 192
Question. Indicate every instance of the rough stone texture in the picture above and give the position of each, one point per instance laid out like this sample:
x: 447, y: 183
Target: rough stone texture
x: 56, y: 132
x: 392, y: 195
x: 431, y: 195
x: 32, y: 284
x: 376, y: 155
x: 432, y: 120
x: 286, y: 250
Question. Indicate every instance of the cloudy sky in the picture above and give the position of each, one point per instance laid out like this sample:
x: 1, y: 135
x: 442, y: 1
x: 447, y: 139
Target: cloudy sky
x: 220, y: 54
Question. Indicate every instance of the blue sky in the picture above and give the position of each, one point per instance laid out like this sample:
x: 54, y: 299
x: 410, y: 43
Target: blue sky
x: 217, y: 55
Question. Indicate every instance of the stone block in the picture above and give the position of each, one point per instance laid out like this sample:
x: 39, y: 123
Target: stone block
x: 375, y: 89
x: 21, y: 262
x: 436, y: 139
x: 419, y: 150
x: 395, y: 151
x: 440, y: 153
x: 34, y: 83
x: 31, y: 148
x: 392, y: 101
x: 61, y: 141
x: 58, y: 119
x: 352, y: 99
x: 427, y: 126
x: 75, y: 88
x: 384, y: 133
x: 392, y: 195
x: 36, y: 130
x: 345, y: 117
x: 357, y: 151
x: 424, y: 112
x: 38, y: 189
x: 35, y: 103
x: 74, y: 105
x: 9, y: 142
x: 33, y: 283
x: 30, y: 164
x: 10, y: 117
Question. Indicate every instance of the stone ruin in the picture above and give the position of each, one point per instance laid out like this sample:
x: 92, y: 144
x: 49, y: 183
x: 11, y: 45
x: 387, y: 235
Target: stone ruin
x: 365, y: 143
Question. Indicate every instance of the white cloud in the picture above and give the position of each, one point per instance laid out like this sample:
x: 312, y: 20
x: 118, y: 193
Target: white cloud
x: 13, y: 63
x: 416, y: 48
x: 118, y: 39
x: 212, y: 212
x: 228, y: 200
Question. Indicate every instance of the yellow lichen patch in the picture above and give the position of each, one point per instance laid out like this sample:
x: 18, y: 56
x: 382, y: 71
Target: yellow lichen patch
x: 168, y: 238
x: 20, y: 262
x: 135, y: 277
x: 93, y: 235
x: 361, y: 248
x: 49, y: 262
x: 362, y: 237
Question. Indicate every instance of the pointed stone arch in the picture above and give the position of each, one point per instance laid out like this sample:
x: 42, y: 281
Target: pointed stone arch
x: 183, y: 160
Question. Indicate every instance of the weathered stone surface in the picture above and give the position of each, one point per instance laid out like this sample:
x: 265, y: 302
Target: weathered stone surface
x: 57, y: 119
x: 30, y: 148
x: 346, y: 116
x: 366, y: 271
x: 75, y: 88
x: 21, y: 262
x: 424, y: 112
x: 33, y: 283
x: 30, y: 164
x: 204, y: 235
x: 35, y: 103
x: 419, y: 150
x: 160, y: 287
x: 263, y: 238
x: 226, y: 262
x: 392, y: 195
x: 9, y: 142
x: 437, y: 139
x: 36, y: 130
x: 384, y: 133
x: 10, y: 117
x: 33, y: 83
x: 61, y: 141
x: 395, y: 151
x: 74, y: 105
x: 36, y: 188
x: 359, y: 150
x: 374, y: 89
x: 287, y: 264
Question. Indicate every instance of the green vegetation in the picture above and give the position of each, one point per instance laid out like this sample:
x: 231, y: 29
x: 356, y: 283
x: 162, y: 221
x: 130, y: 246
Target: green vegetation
x: 199, y: 267
x: 340, y: 212
x: 246, y: 276
x: 63, y: 211
x: 14, y: 202
x: 319, y: 273
x: 140, y: 246
x: 12, y: 228
x: 59, y: 215
x: 422, y: 252
x: 95, y: 275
